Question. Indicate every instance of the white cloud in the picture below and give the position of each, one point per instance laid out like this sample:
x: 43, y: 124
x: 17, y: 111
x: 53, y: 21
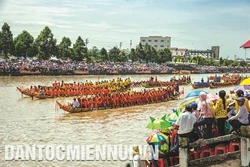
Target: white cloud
x: 190, y: 23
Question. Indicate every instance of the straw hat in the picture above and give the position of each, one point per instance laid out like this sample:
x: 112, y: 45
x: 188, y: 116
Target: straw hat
x: 136, y: 150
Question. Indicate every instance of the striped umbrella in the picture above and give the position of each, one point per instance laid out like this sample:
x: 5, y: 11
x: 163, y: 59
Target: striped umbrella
x: 186, y: 102
x: 156, y: 138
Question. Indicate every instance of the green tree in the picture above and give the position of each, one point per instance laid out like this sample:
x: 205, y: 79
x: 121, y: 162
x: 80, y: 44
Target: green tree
x: 226, y: 62
x: 94, y: 51
x: 221, y: 61
x: 24, y: 45
x: 1, y: 42
x: 122, y: 57
x: 46, y: 44
x: 94, y: 54
x: 234, y: 64
x: 243, y: 63
x: 114, y: 53
x: 210, y: 62
x: 164, y: 56
x: 133, y: 56
x: 64, y: 50
x: 140, y: 53
x: 148, y: 53
x: 104, y: 54
x: 154, y: 55
x: 6, y: 41
x: 80, y: 50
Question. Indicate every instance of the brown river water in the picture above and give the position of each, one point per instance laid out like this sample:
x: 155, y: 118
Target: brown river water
x: 40, y: 122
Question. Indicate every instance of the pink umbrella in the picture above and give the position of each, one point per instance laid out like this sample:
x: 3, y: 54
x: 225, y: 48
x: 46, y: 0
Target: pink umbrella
x: 212, y: 97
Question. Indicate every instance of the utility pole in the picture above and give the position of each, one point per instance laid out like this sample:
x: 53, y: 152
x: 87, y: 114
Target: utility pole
x: 87, y: 41
x: 120, y: 45
x: 130, y: 44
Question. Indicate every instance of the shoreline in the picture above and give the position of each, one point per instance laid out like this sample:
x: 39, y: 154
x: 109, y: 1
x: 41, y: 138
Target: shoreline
x: 18, y: 73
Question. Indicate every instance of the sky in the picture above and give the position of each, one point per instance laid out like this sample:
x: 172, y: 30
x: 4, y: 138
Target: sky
x: 191, y: 24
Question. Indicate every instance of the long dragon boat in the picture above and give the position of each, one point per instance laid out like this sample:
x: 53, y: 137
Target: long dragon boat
x: 213, y: 85
x: 112, y: 102
x: 24, y: 91
x: 71, y: 109
x: 73, y: 89
x: 155, y: 83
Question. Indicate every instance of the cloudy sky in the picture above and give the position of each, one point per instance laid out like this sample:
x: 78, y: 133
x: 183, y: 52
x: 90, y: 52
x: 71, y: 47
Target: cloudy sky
x: 192, y: 24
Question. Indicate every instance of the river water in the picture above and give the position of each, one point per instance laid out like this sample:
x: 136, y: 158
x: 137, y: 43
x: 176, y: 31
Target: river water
x: 40, y: 122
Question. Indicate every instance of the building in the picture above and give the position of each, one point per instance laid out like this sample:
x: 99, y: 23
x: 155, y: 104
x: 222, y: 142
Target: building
x: 178, y: 52
x: 158, y: 42
x: 216, y: 50
x: 214, y: 53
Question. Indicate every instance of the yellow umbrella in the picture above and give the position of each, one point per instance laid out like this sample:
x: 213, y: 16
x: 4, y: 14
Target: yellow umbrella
x: 245, y: 82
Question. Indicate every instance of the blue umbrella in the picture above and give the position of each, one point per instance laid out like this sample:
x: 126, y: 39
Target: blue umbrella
x: 195, y: 93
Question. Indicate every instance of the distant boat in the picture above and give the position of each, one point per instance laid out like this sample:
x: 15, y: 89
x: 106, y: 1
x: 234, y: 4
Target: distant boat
x: 81, y: 72
x: 30, y: 72
x: 197, y: 85
x: 184, y: 72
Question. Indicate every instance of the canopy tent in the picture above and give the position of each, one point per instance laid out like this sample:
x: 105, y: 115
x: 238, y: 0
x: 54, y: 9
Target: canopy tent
x: 245, y: 46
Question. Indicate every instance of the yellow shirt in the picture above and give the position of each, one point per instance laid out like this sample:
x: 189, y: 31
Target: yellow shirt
x: 218, y: 109
x: 163, y: 148
x: 246, y: 104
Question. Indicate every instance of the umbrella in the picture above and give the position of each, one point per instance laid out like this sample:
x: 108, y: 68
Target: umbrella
x: 245, y: 82
x: 190, y: 100
x: 212, y: 97
x: 195, y: 93
x: 173, y: 116
x: 242, y: 87
x: 156, y: 138
x: 159, y: 123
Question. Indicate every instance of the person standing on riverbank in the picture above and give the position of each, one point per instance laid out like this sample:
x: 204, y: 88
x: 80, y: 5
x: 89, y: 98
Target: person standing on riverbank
x: 207, y: 119
x: 220, y: 112
x: 185, y: 123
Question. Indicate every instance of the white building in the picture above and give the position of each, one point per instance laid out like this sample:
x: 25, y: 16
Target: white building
x: 178, y: 52
x: 158, y: 42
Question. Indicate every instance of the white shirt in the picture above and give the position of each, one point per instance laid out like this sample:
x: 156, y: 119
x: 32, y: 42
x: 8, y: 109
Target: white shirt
x: 185, y: 122
x: 196, y: 113
x: 76, y: 104
x: 136, y: 161
x: 242, y: 115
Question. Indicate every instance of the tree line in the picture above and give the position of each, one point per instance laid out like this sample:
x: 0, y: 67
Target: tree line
x: 45, y: 46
